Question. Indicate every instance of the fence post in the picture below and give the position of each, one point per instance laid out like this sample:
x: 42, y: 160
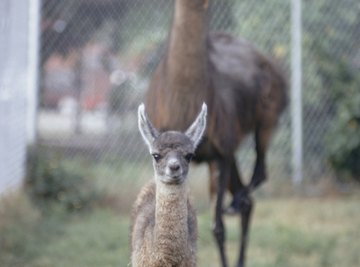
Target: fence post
x: 78, y: 91
x: 14, y: 18
x: 33, y: 69
x: 296, y: 101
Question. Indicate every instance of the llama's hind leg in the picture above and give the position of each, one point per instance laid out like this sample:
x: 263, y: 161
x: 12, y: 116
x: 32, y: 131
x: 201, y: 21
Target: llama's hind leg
x: 246, y: 212
x: 241, y: 204
x: 213, y: 178
x: 219, y: 228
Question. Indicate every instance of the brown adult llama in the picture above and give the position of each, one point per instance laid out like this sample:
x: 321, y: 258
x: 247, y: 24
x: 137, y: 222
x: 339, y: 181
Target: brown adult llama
x: 245, y: 93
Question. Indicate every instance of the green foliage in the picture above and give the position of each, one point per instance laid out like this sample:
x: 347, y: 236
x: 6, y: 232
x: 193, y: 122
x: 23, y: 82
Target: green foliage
x: 144, y: 25
x: 222, y: 15
x: 48, y: 181
x: 330, y: 34
x: 343, y: 139
x: 267, y: 25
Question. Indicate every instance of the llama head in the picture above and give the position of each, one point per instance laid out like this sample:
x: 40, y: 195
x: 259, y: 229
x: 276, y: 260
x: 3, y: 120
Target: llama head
x: 172, y: 151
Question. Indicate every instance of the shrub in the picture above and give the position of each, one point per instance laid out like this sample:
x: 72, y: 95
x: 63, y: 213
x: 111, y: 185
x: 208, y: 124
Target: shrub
x: 343, y: 139
x: 49, y: 181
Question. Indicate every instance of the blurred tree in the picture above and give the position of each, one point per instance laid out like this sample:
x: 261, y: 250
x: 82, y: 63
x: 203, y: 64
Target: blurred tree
x: 222, y: 15
x: 331, y: 36
x: 67, y: 25
x: 266, y: 25
x: 343, y: 138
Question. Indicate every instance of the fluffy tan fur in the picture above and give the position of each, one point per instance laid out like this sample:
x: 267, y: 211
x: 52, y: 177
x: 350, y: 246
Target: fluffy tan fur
x: 164, y: 227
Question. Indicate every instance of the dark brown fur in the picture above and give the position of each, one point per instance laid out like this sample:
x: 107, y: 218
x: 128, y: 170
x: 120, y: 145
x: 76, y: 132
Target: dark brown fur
x: 245, y: 92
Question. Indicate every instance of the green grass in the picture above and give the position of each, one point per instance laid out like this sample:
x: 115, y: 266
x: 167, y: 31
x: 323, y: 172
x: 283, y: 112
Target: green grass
x: 284, y: 233
x: 294, y: 232
x: 96, y: 239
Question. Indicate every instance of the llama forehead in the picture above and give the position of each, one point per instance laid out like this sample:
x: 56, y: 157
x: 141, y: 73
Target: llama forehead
x: 172, y: 140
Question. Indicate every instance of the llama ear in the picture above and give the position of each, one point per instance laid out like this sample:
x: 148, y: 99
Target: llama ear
x: 147, y: 130
x: 197, y: 129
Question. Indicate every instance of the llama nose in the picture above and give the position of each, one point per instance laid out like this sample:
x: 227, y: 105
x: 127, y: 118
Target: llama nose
x: 174, y: 167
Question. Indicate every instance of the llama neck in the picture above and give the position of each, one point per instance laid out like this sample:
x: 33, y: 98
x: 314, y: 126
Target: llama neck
x: 171, y: 215
x: 186, y: 58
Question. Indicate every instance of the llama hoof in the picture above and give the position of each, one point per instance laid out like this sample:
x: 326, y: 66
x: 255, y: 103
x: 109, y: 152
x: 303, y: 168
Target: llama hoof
x: 234, y: 207
x: 231, y: 210
x: 240, y: 203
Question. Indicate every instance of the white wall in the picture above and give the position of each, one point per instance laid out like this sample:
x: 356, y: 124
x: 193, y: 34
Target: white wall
x: 14, y: 90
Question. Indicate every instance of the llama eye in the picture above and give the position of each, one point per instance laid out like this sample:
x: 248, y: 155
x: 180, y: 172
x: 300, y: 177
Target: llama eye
x: 188, y: 157
x: 156, y: 157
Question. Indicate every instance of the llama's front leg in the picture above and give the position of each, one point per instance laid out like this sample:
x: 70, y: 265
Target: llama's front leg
x: 262, y: 139
x: 236, y: 188
x: 219, y: 229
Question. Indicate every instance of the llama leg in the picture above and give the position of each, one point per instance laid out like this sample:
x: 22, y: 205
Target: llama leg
x: 246, y: 212
x: 236, y: 188
x: 213, y: 178
x: 235, y: 185
x: 262, y: 139
x: 242, y: 204
x: 219, y: 229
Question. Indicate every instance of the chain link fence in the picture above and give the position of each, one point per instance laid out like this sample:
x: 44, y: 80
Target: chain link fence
x: 97, y: 58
